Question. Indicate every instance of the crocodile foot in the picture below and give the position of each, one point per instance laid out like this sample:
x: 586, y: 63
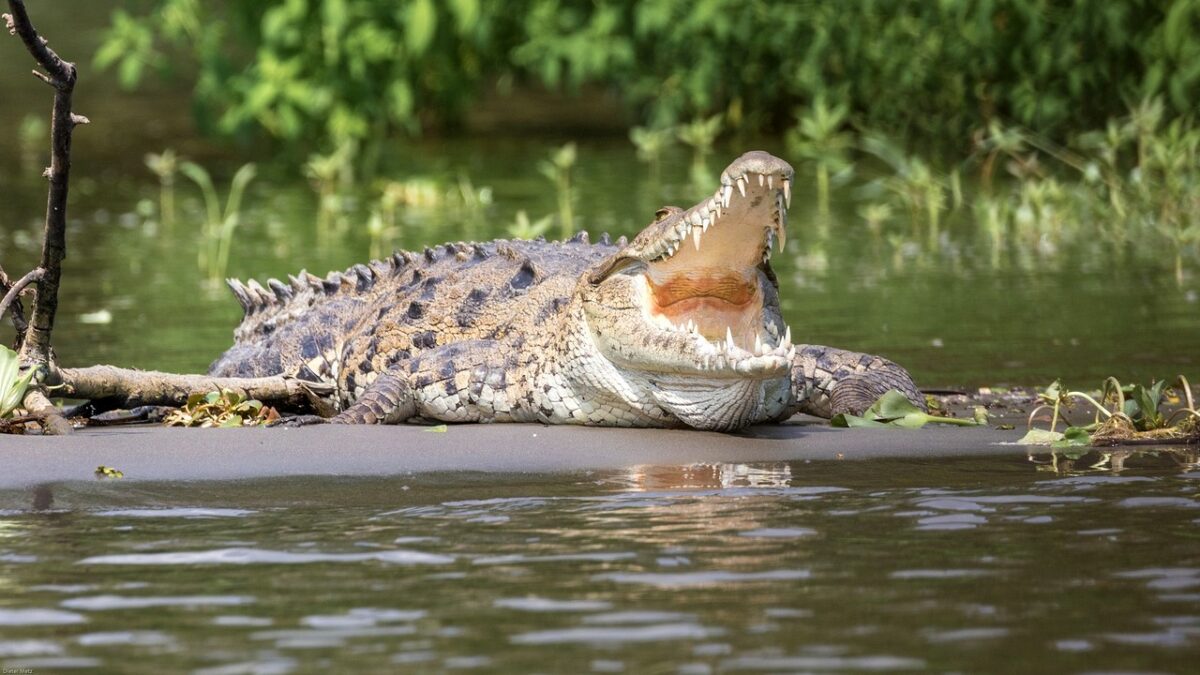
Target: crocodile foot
x: 298, y: 421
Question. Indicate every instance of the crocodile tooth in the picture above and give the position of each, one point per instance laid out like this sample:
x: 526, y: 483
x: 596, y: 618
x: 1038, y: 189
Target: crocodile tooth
x: 705, y: 223
x: 758, y: 345
x: 787, y: 192
x: 726, y: 195
x: 771, y: 181
x: 696, y: 232
x: 761, y: 179
x: 717, y: 211
x: 787, y: 336
x: 729, y: 336
x: 741, y: 184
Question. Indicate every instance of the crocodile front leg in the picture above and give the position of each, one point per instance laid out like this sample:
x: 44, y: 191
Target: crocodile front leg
x: 460, y: 382
x: 828, y: 381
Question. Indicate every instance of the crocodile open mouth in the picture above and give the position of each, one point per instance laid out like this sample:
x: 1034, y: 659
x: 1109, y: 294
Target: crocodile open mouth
x: 708, y: 280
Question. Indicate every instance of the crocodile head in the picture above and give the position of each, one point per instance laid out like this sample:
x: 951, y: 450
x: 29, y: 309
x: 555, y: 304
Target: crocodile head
x: 691, y: 307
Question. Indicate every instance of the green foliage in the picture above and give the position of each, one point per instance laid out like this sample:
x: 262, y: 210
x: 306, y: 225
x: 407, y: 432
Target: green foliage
x: 108, y: 473
x: 558, y: 170
x: 820, y: 137
x: 354, y: 69
x: 1163, y: 412
x: 523, y: 228
x: 224, y: 409
x: 165, y: 165
x: 12, y: 383
x: 893, y: 409
x: 219, y: 225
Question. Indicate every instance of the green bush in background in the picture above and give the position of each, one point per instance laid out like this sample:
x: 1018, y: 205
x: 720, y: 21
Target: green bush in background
x: 932, y: 71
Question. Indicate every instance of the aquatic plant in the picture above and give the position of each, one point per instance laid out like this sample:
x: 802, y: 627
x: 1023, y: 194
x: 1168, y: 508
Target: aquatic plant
x: 700, y: 135
x: 223, y: 408
x: 913, y: 183
x: 165, y: 165
x: 893, y: 409
x: 820, y: 136
x: 219, y: 224
x: 523, y: 228
x: 31, y: 139
x: 1138, y: 414
x: 329, y: 175
x: 12, y: 382
x: 650, y: 142
x: 557, y: 168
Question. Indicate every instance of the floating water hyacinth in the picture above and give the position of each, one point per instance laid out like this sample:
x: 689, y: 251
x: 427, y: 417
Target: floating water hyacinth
x: 12, y: 383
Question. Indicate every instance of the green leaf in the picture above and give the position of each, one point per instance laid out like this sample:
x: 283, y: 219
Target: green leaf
x: 420, y: 26
x: 12, y: 383
x: 1040, y: 437
x: 848, y: 421
x: 1074, y: 436
x: 891, y: 405
x: 439, y: 429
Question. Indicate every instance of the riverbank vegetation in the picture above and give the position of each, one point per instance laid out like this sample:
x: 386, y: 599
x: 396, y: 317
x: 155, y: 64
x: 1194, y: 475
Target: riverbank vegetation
x: 1004, y: 132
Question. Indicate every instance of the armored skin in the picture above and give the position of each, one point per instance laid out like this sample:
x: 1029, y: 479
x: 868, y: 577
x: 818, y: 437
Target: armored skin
x: 679, y: 327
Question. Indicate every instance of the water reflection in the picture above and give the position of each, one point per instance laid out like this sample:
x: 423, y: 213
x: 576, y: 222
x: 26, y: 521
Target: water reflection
x: 953, y: 565
x: 1084, y: 461
x: 694, y: 476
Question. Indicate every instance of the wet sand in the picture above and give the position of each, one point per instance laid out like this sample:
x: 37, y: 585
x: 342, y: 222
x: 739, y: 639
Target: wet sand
x: 157, y: 453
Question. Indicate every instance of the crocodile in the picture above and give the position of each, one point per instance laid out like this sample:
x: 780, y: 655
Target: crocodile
x: 679, y: 327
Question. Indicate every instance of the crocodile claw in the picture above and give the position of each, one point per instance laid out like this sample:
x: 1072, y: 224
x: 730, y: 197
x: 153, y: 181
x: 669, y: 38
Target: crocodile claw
x: 298, y: 421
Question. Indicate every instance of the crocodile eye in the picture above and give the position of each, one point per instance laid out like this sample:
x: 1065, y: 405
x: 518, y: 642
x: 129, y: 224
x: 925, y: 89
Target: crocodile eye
x: 664, y: 213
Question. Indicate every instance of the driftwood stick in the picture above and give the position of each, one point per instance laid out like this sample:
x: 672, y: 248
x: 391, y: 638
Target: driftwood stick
x: 60, y: 74
x: 143, y: 387
x: 17, y: 287
x: 17, y: 311
x: 53, y: 423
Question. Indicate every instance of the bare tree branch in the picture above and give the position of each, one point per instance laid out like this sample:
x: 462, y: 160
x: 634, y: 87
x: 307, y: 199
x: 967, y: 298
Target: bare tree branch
x: 17, y: 309
x: 15, y: 289
x: 61, y: 75
x: 142, y: 387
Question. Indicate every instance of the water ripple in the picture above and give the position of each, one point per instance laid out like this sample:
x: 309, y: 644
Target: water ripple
x: 178, y: 512
x: 536, y: 604
x: 641, y: 633
x: 708, y: 578
x: 254, y: 556
x: 38, y: 617
x: 103, y: 602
